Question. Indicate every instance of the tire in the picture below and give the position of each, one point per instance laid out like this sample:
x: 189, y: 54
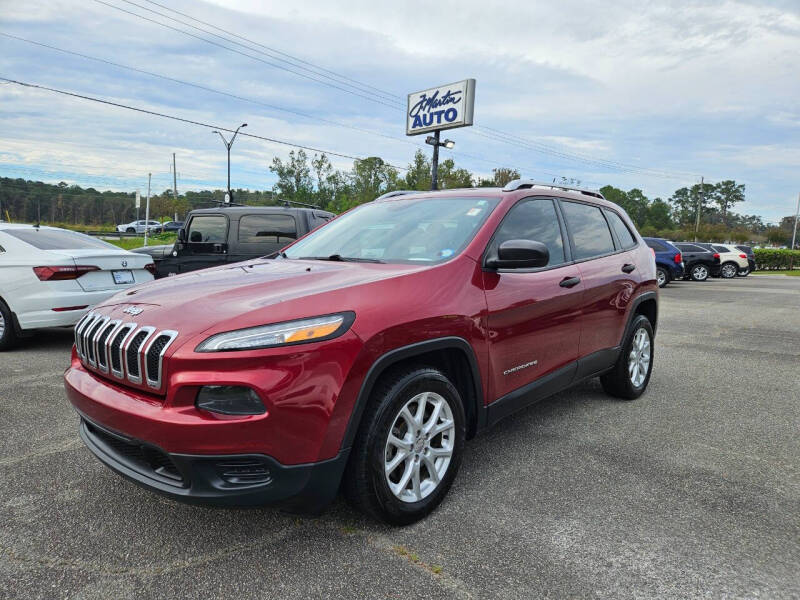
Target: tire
x: 743, y: 272
x: 8, y: 337
x: 662, y: 277
x: 620, y: 382
x: 130, y: 230
x: 413, y: 493
x: 699, y: 272
x: 728, y: 270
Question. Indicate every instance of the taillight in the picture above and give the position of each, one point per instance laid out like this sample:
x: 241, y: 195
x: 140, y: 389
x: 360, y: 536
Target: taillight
x: 60, y: 273
x: 716, y: 255
x: 152, y: 268
x: 743, y: 256
x: 678, y: 258
x: 653, y: 250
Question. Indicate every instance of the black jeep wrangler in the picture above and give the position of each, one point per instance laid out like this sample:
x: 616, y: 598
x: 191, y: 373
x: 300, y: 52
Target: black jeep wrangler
x: 214, y: 236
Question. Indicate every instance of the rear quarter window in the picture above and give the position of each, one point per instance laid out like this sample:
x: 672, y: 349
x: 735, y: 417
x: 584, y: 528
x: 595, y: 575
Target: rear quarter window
x: 624, y: 235
x: 657, y: 246
x: 590, y: 233
x: 261, y: 229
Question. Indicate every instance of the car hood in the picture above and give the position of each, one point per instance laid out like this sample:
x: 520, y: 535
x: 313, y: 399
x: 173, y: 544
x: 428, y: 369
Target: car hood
x: 252, y: 292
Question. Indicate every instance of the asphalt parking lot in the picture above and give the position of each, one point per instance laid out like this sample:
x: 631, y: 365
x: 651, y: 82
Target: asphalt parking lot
x: 691, y: 491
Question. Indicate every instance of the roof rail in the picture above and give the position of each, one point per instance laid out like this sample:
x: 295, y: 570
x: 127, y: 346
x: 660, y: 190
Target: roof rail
x: 396, y: 193
x: 520, y: 184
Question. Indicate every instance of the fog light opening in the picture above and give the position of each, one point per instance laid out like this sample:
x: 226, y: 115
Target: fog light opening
x: 229, y: 400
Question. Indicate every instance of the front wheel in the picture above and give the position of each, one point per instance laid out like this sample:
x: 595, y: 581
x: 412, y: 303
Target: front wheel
x: 408, y: 449
x: 130, y: 230
x: 699, y: 273
x: 629, y: 377
x: 729, y: 270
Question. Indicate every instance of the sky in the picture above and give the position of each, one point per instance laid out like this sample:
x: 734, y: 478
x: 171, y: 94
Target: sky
x: 637, y: 95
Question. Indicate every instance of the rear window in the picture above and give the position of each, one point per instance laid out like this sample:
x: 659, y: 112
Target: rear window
x: 745, y: 249
x: 590, y: 232
x: 255, y: 229
x: 56, y: 239
x: 657, y: 246
x: 720, y: 248
x: 690, y: 248
x: 624, y: 234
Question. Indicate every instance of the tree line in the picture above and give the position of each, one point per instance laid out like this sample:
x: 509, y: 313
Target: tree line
x: 314, y: 180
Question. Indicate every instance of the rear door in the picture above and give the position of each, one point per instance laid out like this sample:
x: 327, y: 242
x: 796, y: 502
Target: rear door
x: 206, y: 243
x: 260, y: 234
x: 607, y: 270
x: 533, y: 314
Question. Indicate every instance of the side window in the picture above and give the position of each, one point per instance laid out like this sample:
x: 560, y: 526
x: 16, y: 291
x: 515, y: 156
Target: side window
x: 589, y: 230
x: 260, y: 229
x: 720, y: 248
x: 533, y: 220
x: 657, y: 246
x: 624, y: 234
x: 208, y: 229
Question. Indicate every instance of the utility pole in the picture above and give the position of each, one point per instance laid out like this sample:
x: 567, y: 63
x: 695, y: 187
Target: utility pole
x: 174, y: 179
x: 796, y: 215
x: 700, y: 199
x: 147, y: 209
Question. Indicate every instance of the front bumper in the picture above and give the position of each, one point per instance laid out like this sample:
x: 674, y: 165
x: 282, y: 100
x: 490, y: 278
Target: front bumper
x: 223, y: 480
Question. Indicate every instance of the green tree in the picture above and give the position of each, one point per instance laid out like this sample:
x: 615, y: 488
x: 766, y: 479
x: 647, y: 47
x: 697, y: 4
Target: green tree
x: 370, y: 178
x: 658, y: 215
x: 294, y: 177
x: 500, y: 177
x: 726, y: 194
x: 451, y: 177
x: 418, y: 176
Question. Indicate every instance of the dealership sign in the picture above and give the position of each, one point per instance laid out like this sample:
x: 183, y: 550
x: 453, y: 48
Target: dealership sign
x: 442, y: 107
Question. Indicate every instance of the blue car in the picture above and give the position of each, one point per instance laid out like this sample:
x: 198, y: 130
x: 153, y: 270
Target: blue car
x: 669, y: 262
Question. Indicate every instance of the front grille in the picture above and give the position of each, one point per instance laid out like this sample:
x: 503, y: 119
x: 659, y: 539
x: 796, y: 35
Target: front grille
x: 142, y: 457
x: 122, y: 348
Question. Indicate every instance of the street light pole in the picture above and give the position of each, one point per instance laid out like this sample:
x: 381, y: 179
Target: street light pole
x: 433, y: 140
x: 796, y: 215
x: 228, y: 147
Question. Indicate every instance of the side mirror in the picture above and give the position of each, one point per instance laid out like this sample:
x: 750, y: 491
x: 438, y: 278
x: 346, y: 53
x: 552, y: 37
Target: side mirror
x: 181, y: 235
x: 520, y: 254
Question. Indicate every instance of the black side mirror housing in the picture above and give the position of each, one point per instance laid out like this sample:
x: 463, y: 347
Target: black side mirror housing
x: 520, y: 254
x: 181, y: 235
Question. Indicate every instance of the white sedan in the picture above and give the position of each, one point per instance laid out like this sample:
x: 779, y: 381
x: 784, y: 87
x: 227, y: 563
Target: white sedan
x: 139, y: 227
x: 51, y: 277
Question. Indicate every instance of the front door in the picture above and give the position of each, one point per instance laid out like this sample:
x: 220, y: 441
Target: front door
x: 206, y: 243
x: 533, y: 314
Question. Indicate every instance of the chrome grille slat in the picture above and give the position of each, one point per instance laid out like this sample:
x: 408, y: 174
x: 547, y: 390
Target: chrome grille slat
x: 169, y: 336
x: 121, y: 335
x: 101, y: 346
x: 88, y: 339
x: 133, y: 353
x: 79, y: 334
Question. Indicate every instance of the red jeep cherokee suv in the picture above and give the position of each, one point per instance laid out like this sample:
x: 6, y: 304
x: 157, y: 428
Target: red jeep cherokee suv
x: 365, y: 353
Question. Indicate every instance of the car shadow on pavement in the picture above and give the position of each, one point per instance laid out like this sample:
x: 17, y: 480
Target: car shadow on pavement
x: 54, y: 338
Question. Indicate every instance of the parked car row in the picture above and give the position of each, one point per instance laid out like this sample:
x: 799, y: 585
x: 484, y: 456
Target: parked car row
x: 699, y: 260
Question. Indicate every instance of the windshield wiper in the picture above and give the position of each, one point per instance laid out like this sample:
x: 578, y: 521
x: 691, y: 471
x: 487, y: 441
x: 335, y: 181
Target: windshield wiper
x: 340, y: 258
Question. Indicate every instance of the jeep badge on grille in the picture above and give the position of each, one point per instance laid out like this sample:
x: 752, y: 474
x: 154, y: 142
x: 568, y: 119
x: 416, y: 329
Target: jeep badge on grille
x: 133, y: 310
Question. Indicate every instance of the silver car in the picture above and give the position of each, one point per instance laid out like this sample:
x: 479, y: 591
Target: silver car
x: 139, y: 227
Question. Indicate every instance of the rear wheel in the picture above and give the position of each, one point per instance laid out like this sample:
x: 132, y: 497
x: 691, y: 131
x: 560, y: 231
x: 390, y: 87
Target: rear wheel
x: 744, y: 272
x: 629, y: 377
x: 8, y: 337
x: 662, y: 277
x: 729, y: 270
x: 408, y: 449
x: 130, y: 230
x: 699, y: 273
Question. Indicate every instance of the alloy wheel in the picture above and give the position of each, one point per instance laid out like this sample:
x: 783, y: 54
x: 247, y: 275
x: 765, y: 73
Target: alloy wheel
x: 729, y: 270
x: 2, y: 326
x: 639, y: 357
x: 700, y: 273
x: 419, y: 447
x: 661, y: 277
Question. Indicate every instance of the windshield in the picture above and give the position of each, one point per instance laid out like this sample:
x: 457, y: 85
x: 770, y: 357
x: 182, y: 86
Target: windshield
x: 409, y: 230
x: 57, y: 239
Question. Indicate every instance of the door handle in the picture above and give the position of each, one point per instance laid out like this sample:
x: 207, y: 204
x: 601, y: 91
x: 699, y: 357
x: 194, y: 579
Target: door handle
x: 628, y: 268
x: 569, y: 282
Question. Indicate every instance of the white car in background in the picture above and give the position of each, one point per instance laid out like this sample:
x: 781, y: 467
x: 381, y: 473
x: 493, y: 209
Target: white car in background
x: 139, y: 227
x: 51, y: 277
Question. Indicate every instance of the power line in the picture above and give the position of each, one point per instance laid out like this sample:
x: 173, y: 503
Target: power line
x: 189, y: 121
x: 490, y: 133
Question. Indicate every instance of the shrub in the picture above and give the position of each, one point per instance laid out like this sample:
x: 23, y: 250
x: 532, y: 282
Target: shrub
x: 770, y: 260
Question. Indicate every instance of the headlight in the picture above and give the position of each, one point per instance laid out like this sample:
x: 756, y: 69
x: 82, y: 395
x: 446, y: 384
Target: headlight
x: 280, y: 334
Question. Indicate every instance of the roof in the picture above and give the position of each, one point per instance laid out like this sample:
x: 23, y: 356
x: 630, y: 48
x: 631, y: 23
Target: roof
x: 4, y: 225
x: 538, y: 189
x: 238, y: 210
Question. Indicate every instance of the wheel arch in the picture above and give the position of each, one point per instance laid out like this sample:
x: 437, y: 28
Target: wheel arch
x: 644, y: 304
x: 452, y: 355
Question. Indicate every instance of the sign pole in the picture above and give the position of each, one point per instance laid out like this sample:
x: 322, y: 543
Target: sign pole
x: 147, y: 209
x: 435, y: 162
